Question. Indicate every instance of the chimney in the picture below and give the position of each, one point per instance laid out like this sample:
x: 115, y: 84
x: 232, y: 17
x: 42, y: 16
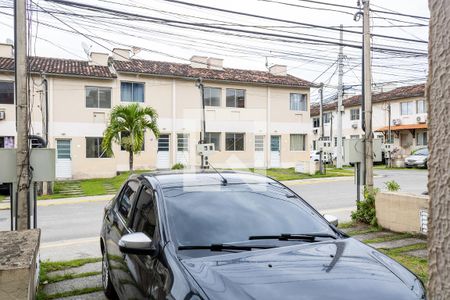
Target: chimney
x: 121, y: 54
x: 215, y: 63
x: 99, y: 59
x: 6, y: 50
x: 278, y: 70
x: 199, y: 61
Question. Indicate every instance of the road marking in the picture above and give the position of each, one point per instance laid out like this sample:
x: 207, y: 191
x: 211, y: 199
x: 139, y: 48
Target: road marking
x: 65, y: 243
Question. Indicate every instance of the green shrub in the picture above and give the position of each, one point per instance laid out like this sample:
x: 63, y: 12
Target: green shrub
x: 365, y: 209
x: 392, y: 186
x: 178, y: 166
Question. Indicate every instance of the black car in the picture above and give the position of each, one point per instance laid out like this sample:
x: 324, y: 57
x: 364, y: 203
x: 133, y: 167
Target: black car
x: 235, y: 236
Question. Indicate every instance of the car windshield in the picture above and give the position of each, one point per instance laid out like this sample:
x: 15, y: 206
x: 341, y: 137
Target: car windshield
x: 207, y: 215
x: 423, y: 151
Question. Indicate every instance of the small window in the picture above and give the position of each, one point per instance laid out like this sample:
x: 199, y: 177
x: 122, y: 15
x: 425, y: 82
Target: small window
x: 316, y: 122
x: 421, y: 139
x: 298, y: 102
x: 127, y: 198
x: 298, y: 142
x: 63, y: 149
x: 94, y: 148
x: 144, y: 216
x: 7, y: 142
x: 212, y: 96
x: 182, y: 142
x: 406, y: 108
x: 421, y: 106
x: 213, y: 138
x: 326, y: 118
x: 234, y: 141
x: 6, y: 92
x: 259, y: 143
x: 354, y: 114
x: 124, y: 139
x: 132, y: 92
x: 235, y: 98
x: 314, y: 145
x: 98, y: 97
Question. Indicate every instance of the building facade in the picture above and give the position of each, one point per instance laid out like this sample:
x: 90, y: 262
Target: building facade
x: 254, y: 118
x: 402, y: 110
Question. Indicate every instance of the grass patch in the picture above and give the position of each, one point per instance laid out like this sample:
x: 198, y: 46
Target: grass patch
x: 89, y: 187
x: 384, y: 167
x: 417, y: 265
x: 346, y: 225
x: 57, y: 278
x: 364, y: 231
x: 42, y: 296
x: 290, y: 174
x: 50, y: 266
x: 393, y: 237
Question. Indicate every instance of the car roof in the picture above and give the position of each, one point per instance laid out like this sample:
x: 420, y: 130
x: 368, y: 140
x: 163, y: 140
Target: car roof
x: 204, y: 177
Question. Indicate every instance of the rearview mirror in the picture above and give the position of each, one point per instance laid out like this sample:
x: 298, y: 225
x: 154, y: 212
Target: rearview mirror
x: 331, y: 219
x: 137, y: 243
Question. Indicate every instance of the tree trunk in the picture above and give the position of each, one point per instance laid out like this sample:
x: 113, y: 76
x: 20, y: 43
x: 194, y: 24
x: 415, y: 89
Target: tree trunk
x: 438, y: 95
x: 130, y: 160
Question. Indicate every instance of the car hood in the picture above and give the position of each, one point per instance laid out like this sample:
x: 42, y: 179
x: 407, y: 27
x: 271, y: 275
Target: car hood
x: 339, y: 269
x: 416, y: 157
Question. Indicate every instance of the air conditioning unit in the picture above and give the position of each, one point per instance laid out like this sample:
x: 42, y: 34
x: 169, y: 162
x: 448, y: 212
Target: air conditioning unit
x: 2, y: 115
x: 355, y: 125
x: 421, y: 120
x: 397, y: 122
x: 315, y: 131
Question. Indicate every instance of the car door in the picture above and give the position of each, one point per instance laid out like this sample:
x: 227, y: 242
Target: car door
x: 118, y: 219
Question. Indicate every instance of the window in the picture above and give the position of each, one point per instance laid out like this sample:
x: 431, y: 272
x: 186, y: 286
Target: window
x: 298, y: 102
x: 212, y: 96
x: 326, y: 118
x: 213, y: 138
x: 235, y: 98
x: 335, y: 141
x: 144, y: 216
x: 183, y: 142
x: 259, y: 143
x: 421, y: 106
x: 94, y: 148
x: 124, y: 140
x: 316, y: 122
x: 6, y: 92
x: 314, y: 145
x: 127, y: 198
x: 298, y: 142
x: 421, y: 138
x: 6, y: 142
x: 234, y: 141
x: 63, y: 149
x: 354, y: 114
x: 406, y: 108
x: 132, y: 92
x: 98, y: 97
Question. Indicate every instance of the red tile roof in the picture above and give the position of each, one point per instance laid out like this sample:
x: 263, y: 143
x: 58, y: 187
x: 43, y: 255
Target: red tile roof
x: 403, y: 127
x: 417, y: 90
x: 184, y: 70
x: 59, y: 66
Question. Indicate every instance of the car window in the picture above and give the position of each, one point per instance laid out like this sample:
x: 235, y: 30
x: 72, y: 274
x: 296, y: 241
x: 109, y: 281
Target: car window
x: 126, y: 198
x: 421, y: 152
x: 144, y: 219
x: 227, y: 214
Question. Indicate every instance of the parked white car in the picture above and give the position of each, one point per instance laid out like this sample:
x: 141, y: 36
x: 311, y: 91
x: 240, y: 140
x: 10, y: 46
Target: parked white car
x: 315, y: 156
x: 418, y: 158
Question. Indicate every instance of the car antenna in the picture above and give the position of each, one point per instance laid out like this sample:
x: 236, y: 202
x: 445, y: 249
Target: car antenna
x: 224, y: 181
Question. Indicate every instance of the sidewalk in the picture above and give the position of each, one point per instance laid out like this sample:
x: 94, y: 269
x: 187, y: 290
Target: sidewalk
x: 60, y: 201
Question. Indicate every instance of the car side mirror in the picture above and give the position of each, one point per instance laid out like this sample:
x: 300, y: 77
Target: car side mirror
x: 331, y: 219
x: 137, y: 243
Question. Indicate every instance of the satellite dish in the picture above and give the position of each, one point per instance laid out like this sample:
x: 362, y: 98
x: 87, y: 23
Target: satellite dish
x: 9, y: 41
x: 86, y: 48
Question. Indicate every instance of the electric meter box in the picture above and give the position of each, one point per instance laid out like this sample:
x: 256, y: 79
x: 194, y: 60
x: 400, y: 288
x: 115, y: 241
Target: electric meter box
x: 354, y: 150
x: 205, y: 149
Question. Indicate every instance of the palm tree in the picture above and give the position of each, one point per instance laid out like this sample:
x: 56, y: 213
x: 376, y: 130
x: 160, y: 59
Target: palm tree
x: 127, y: 126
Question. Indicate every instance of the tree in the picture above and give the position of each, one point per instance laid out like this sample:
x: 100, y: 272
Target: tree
x: 127, y: 126
x: 438, y: 95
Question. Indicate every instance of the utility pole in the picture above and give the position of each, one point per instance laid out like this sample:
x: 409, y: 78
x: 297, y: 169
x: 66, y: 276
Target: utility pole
x: 322, y: 131
x: 340, y: 95
x: 368, y: 139
x: 389, y: 134
x: 21, y: 89
x: 201, y: 87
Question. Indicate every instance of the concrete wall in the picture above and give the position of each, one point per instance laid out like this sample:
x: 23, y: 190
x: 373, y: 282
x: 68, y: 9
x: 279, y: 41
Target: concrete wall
x: 399, y: 211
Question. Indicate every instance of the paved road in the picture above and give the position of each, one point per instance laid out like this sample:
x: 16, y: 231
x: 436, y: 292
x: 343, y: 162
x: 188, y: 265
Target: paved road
x: 71, y: 230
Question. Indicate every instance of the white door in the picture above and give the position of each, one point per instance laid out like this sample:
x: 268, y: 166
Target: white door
x: 259, y: 151
x: 63, y: 159
x: 162, y: 156
x: 275, y: 159
x: 183, y: 148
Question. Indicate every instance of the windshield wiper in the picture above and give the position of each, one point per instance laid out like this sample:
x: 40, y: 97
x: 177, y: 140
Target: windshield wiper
x: 221, y: 247
x: 309, y: 237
